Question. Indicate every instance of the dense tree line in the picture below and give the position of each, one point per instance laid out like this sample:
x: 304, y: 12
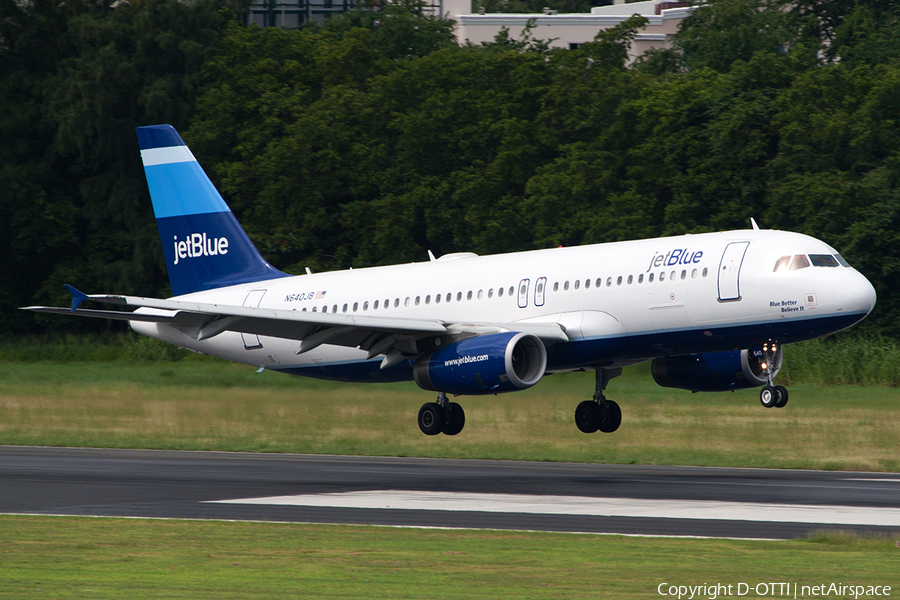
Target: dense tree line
x: 376, y: 137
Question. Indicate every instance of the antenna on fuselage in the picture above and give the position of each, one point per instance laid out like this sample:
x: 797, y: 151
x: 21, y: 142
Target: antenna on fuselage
x: 753, y: 223
x: 431, y: 256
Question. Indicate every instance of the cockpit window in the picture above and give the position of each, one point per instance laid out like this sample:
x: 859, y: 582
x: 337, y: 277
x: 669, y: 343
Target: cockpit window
x: 841, y: 260
x: 782, y: 263
x: 823, y: 260
x: 800, y: 262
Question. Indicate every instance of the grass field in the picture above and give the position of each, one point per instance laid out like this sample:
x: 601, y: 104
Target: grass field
x: 140, y: 395
x: 61, y: 557
x: 214, y: 405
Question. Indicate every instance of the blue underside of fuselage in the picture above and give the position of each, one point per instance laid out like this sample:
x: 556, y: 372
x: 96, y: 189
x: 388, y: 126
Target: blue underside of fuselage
x: 597, y: 352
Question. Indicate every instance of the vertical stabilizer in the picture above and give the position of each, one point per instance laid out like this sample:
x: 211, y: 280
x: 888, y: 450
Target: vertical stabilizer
x: 204, y: 245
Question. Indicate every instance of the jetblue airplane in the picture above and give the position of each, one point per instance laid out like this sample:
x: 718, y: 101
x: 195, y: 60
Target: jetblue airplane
x: 711, y: 311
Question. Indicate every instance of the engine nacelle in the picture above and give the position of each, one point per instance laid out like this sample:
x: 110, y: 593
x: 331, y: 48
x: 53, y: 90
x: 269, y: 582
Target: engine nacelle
x: 714, y: 371
x: 485, y: 364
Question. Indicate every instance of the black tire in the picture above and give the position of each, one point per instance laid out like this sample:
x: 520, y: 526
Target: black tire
x: 768, y: 396
x: 783, y: 396
x: 456, y: 419
x: 431, y: 418
x: 587, y: 416
x: 610, y: 417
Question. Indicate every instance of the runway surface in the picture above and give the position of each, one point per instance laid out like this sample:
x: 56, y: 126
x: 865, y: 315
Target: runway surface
x: 590, y: 498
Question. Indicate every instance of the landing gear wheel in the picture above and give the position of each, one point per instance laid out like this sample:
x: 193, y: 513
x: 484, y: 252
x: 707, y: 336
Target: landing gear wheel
x: 783, y: 398
x: 610, y: 416
x: 431, y: 418
x: 456, y: 419
x: 587, y: 416
x: 769, y: 396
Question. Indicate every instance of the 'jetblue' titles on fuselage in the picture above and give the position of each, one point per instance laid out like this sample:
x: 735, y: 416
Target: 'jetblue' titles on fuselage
x: 678, y: 256
x: 198, y: 244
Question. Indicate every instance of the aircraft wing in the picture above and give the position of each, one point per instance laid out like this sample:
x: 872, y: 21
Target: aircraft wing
x: 397, y: 338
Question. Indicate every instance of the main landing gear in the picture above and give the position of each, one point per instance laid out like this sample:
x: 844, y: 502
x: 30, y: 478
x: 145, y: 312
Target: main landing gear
x: 599, y: 414
x: 772, y: 396
x: 442, y: 416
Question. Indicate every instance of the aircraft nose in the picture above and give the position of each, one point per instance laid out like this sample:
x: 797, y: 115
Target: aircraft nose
x: 854, y: 293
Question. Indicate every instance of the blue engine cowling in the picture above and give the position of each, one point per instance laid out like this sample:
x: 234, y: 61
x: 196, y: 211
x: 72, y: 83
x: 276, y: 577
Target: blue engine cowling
x: 486, y: 364
x: 714, y: 371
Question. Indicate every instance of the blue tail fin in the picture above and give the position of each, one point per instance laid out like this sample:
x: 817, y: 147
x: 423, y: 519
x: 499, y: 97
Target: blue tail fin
x: 204, y: 245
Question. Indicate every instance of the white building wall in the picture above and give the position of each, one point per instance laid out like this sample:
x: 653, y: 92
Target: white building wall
x: 574, y: 28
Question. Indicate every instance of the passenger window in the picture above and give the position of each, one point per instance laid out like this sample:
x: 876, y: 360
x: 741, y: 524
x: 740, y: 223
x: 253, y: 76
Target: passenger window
x: 334, y: 308
x: 705, y: 271
x: 684, y: 274
x: 694, y: 274
x: 662, y: 276
x: 630, y: 279
x: 566, y: 286
x: 480, y: 294
x: 406, y: 302
x: 469, y: 295
x: 355, y: 306
x: 324, y: 309
x: 641, y: 278
x: 449, y: 296
x: 587, y: 283
x: 608, y: 281
x: 672, y: 276
x: 499, y: 292
x: 375, y: 306
x: 345, y: 308
x: 396, y: 302
x: 428, y: 299
x: 800, y: 262
x: 577, y: 283
x: 782, y: 264
x: 459, y: 296
x: 823, y: 260
x: 510, y: 290
x: 650, y: 278
x: 418, y: 299
x: 366, y: 305
x: 491, y: 293
x: 437, y: 298
x: 599, y: 282
x: 619, y: 280
x: 556, y: 287
x: 314, y: 309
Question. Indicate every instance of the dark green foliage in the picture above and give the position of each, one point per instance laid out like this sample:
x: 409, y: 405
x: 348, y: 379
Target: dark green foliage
x: 75, y: 79
x: 376, y: 137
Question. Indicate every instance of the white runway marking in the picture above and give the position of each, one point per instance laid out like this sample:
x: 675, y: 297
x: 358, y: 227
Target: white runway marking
x: 579, y: 505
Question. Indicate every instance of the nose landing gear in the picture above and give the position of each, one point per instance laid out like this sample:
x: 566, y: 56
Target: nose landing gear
x: 772, y: 396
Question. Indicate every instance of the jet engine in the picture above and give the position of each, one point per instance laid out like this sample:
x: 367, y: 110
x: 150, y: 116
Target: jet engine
x: 485, y: 364
x: 715, y: 371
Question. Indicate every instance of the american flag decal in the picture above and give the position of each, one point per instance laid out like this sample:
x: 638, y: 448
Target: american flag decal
x: 319, y: 296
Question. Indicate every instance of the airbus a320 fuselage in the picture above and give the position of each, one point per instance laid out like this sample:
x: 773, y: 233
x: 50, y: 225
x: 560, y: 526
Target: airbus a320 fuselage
x: 711, y: 311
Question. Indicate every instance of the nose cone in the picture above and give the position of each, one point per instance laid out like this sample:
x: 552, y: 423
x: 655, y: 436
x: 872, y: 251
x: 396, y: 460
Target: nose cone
x: 854, y: 294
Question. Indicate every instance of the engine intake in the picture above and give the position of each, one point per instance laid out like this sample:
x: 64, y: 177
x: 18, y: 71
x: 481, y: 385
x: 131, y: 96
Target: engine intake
x: 485, y: 364
x: 714, y: 371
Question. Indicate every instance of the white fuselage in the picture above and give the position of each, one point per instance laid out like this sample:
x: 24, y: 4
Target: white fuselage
x: 619, y: 303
